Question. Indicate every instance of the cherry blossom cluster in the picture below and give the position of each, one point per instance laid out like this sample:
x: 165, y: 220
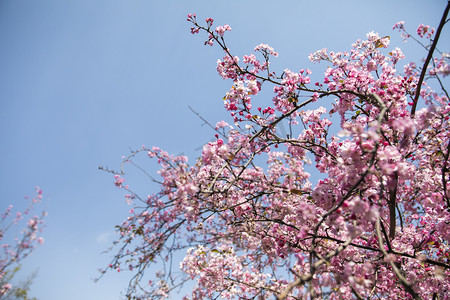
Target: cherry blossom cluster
x: 15, y: 249
x: 440, y: 65
x: 425, y: 31
x: 252, y: 221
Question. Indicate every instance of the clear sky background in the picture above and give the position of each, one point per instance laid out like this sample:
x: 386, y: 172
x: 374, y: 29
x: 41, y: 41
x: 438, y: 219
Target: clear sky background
x: 83, y: 82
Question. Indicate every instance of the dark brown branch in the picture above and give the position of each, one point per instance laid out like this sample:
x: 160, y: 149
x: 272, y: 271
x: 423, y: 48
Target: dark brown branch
x: 389, y: 251
x: 444, y: 172
x: 429, y: 57
x: 392, y: 203
x: 305, y: 278
x: 402, y: 279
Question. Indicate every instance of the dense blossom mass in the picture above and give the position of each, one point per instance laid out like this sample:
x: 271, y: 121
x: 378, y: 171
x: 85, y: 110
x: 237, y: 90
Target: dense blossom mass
x: 254, y: 224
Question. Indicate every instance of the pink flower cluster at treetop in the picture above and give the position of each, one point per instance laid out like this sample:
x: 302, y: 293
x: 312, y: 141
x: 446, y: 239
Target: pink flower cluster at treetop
x: 251, y: 221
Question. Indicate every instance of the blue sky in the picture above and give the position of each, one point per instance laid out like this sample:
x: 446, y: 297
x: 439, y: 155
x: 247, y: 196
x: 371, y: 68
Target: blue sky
x: 83, y: 82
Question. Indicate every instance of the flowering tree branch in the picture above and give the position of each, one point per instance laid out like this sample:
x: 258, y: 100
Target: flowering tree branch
x: 428, y: 59
x: 15, y: 249
x: 249, y: 220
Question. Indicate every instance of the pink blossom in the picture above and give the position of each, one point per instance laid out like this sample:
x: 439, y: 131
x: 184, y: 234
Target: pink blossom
x: 399, y: 25
x: 221, y: 29
x: 264, y: 48
x: 209, y: 21
x: 405, y: 125
x: 191, y: 17
x: 372, y: 65
x: 425, y: 31
x: 442, y: 66
x: 118, y: 182
x: 5, y: 288
x: 195, y: 30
